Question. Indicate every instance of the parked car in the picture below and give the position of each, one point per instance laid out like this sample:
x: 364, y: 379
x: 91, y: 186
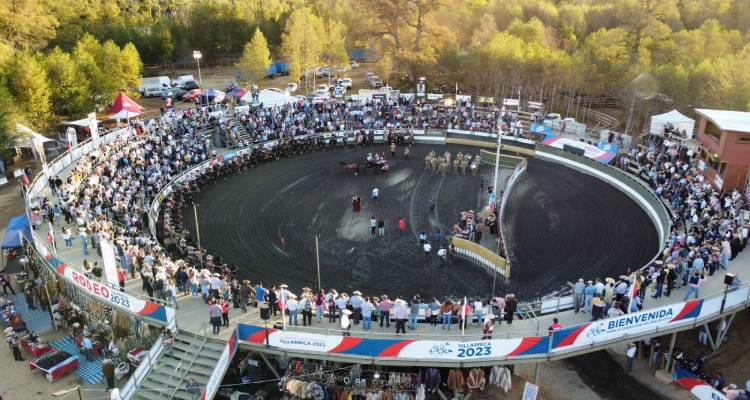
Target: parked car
x: 322, y: 88
x: 154, y: 86
x: 325, y: 71
x: 355, y: 65
x: 292, y: 87
x: 341, y: 69
x: 182, y: 79
x: 179, y: 93
x: 346, y: 82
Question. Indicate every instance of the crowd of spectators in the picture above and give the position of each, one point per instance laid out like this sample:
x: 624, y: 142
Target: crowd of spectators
x: 107, y: 195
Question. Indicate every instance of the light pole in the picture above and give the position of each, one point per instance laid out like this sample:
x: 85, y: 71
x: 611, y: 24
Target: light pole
x: 495, y: 195
x: 197, y: 55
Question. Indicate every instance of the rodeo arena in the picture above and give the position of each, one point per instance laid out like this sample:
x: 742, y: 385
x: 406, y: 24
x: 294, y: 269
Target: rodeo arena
x: 390, y: 247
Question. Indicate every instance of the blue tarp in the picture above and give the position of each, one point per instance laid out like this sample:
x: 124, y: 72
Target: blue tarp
x: 18, y: 226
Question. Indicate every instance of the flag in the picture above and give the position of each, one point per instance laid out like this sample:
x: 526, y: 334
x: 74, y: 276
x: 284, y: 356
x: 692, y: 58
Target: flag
x: 631, y: 291
x: 282, y: 306
x: 51, y: 238
x: 464, y: 311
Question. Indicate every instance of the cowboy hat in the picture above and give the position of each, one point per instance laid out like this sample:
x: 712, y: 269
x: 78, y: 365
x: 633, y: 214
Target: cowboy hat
x: 490, y: 316
x: 659, y: 262
x: 357, y: 292
x: 598, y: 302
x: 609, y: 280
x: 346, y: 312
x: 283, y: 286
x: 246, y: 281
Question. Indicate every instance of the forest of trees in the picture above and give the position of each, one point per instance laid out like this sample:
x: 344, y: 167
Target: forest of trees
x: 65, y: 57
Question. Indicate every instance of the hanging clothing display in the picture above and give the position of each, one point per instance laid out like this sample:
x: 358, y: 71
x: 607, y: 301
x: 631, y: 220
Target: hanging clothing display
x: 432, y: 379
x: 501, y: 377
x: 420, y: 393
x: 455, y: 379
x: 476, y: 379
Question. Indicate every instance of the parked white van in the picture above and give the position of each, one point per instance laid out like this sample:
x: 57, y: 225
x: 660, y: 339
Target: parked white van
x: 153, y: 86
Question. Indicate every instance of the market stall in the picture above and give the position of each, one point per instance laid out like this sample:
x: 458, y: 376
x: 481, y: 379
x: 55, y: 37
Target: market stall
x: 55, y: 364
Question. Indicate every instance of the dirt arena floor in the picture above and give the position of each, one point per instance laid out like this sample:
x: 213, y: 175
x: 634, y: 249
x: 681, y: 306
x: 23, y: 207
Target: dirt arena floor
x: 565, y: 224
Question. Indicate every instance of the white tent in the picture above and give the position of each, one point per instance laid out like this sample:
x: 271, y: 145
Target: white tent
x: 270, y: 98
x: 676, y: 119
x: 29, y: 139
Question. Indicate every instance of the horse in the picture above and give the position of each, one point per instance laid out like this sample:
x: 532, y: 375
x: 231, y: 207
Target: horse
x: 349, y: 167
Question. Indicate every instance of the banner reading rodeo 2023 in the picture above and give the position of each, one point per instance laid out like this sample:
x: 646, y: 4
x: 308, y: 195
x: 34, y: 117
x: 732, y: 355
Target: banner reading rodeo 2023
x: 563, y: 340
x: 106, y: 294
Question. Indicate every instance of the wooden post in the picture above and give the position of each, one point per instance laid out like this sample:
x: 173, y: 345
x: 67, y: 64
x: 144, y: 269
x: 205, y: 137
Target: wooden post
x: 671, y: 349
x: 317, y: 258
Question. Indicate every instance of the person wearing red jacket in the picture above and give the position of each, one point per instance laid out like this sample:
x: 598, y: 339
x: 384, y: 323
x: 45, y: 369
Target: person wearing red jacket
x: 225, y: 313
x: 121, y: 278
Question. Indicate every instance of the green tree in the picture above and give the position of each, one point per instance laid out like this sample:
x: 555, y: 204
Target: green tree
x: 70, y: 96
x: 302, y: 42
x: 256, y: 58
x: 26, y: 24
x: 335, y: 44
x: 101, y: 85
x: 131, y: 69
x: 27, y: 81
x: 8, y: 119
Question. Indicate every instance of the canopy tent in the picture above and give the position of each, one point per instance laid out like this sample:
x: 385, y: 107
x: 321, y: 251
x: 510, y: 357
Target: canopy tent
x: 17, y: 227
x: 124, y: 108
x: 270, y: 98
x: 28, y: 138
x: 237, y: 92
x: 213, y: 95
x: 674, y: 118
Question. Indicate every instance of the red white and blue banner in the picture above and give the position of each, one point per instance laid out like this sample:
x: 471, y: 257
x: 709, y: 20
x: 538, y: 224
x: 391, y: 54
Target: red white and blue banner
x: 697, y: 387
x: 567, y: 339
x: 109, y: 295
x: 604, y: 154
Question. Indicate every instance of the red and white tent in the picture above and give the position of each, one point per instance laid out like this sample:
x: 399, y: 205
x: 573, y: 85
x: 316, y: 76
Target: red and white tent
x: 124, y: 108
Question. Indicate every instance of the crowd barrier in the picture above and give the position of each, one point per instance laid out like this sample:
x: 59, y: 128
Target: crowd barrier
x: 538, y: 347
x: 481, y: 255
x: 506, y: 161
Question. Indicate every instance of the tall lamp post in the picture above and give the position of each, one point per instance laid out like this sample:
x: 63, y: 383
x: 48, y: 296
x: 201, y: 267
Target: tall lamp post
x: 197, y: 55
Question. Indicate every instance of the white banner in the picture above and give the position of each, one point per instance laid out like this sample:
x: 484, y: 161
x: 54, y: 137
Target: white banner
x: 511, y: 102
x: 109, y: 261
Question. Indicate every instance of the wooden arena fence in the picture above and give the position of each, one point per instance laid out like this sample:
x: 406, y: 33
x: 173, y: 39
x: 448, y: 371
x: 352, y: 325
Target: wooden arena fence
x: 481, y: 255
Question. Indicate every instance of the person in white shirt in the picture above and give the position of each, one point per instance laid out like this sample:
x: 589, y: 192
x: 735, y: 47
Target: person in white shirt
x: 292, y: 306
x: 442, y: 253
x: 375, y: 194
x: 427, y: 250
x: 630, y: 355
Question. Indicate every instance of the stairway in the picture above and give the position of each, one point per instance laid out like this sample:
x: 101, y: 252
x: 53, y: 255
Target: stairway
x: 192, y: 356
